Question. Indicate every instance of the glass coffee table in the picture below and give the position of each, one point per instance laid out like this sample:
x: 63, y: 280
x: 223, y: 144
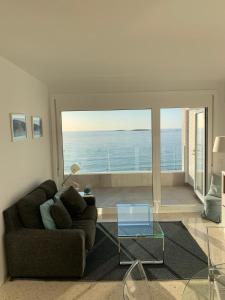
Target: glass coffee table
x: 139, y: 236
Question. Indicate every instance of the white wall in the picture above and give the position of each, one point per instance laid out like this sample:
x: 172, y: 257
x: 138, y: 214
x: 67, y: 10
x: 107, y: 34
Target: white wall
x: 23, y: 164
x: 219, y: 127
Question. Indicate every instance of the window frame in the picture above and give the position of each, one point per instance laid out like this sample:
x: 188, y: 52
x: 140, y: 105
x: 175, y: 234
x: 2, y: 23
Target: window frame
x: 154, y: 101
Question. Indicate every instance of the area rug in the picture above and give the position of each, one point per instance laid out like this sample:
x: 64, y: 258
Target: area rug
x: 183, y: 257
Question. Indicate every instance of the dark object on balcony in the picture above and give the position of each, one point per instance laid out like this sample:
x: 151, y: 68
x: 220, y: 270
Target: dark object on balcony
x: 33, y: 251
x: 87, y: 190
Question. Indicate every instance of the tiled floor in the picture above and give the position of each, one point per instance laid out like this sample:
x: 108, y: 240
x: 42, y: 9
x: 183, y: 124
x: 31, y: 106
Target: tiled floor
x: 171, y: 195
x: 71, y: 290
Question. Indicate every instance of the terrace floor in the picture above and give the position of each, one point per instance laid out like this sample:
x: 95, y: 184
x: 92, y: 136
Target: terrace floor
x: 171, y: 195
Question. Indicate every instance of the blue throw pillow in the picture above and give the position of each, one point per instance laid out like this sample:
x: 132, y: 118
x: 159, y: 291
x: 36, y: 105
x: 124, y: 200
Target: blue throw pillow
x: 46, y: 215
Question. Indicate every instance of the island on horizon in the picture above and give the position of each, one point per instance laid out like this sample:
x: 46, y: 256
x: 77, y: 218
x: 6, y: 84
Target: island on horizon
x: 138, y: 129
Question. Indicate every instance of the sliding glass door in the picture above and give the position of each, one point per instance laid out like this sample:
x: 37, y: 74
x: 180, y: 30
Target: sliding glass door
x: 200, y: 153
x: 114, y: 151
x: 172, y: 175
x: 183, y: 159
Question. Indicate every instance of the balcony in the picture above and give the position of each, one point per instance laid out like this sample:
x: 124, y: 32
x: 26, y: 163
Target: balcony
x: 136, y: 187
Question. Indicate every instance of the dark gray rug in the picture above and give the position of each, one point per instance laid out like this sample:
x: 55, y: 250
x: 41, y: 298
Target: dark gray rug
x: 183, y: 257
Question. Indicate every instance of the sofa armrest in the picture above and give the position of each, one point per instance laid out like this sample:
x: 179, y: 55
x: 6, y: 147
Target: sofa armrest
x: 90, y: 200
x: 45, y: 253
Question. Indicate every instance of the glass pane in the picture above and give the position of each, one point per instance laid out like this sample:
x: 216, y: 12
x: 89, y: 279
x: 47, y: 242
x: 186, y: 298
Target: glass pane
x: 114, y: 152
x: 176, y: 153
x: 171, y: 143
x: 191, y: 146
x: 200, y: 150
x: 171, y: 154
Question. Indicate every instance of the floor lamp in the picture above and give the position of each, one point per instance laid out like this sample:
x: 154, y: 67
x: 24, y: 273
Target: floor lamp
x: 74, y: 169
x: 219, y: 144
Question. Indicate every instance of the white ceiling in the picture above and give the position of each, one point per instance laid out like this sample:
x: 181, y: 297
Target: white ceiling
x: 78, y: 45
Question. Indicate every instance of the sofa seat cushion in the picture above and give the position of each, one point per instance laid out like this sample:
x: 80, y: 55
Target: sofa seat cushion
x: 29, y: 209
x: 73, y: 202
x: 49, y: 187
x: 89, y: 228
x: 90, y: 213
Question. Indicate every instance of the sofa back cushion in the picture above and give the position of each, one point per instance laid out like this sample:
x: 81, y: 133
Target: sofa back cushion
x: 74, y: 203
x: 12, y: 218
x: 58, y: 195
x: 60, y: 215
x: 49, y: 187
x: 29, y: 209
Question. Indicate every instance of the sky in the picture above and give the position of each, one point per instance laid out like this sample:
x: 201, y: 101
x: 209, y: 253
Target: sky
x: 118, y: 119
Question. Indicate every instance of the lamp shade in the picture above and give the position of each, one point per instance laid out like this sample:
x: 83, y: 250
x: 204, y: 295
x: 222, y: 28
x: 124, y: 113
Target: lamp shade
x: 74, y: 168
x: 219, y: 144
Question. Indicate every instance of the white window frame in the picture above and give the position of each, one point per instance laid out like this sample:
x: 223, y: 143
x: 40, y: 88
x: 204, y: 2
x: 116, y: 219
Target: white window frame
x: 154, y: 101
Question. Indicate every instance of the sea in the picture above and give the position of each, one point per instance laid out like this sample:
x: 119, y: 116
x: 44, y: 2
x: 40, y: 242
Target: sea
x: 120, y: 150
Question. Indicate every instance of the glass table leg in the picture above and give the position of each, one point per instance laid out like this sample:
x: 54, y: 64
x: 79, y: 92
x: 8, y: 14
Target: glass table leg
x: 211, y: 284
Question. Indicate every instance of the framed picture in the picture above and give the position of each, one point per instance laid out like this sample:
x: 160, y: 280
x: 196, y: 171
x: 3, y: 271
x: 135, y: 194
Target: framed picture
x: 36, y: 123
x: 18, y: 127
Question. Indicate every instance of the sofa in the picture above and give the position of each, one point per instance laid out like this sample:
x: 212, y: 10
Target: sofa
x: 33, y: 251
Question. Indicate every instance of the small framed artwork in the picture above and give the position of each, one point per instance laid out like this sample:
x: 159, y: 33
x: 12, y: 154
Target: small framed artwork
x: 36, y: 123
x: 18, y: 127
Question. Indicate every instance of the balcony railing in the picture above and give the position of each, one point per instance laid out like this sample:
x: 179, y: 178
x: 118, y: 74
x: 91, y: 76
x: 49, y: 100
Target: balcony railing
x: 129, y: 160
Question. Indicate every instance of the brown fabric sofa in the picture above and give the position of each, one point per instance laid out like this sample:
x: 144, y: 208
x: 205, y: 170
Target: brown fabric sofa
x: 33, y: 251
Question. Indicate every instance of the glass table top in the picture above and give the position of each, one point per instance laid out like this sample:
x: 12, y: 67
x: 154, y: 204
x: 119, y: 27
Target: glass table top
x: 136, y: 220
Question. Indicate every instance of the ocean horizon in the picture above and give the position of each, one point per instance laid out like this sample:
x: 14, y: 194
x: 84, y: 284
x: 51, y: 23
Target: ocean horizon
x: 120, y: 150
x: 135, y: 129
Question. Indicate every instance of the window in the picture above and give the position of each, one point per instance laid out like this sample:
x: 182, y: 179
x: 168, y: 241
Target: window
x: 107, y: 141
x: 171, y: 120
